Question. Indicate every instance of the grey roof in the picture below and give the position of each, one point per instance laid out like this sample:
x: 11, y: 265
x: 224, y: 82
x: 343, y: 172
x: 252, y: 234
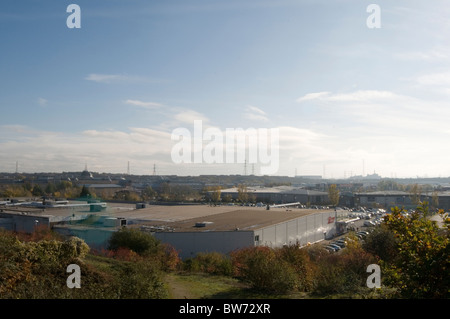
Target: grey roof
x: 385, y: 193
x: 276, y: 190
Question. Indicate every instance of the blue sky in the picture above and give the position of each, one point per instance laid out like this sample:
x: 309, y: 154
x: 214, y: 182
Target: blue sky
x: 345, y: 98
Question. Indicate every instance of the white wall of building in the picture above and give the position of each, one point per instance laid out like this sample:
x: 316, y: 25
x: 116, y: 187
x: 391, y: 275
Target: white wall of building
x: 310, y: 228
x: 302, y: 230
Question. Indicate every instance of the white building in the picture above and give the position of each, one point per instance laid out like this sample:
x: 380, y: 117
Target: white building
x: 237, y: 229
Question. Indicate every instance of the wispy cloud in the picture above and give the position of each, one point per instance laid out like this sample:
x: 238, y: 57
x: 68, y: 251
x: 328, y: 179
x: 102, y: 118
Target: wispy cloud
x: 435, y: 54
x: 313, y: 96
x: 189, y: 116
x: 147, y: 105
x: 254, y: 113
x: 113, y: 78
x: 357, y: 96
x: 42, y: 102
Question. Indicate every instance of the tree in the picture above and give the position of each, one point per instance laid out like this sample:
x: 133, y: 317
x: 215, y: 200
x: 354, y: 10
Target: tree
x: 148, y: 193
x: 415, y: 192
x: 421, y: 267
x: 242, y: 193
x: 389, y: 185
x: 37, y: 190
x: 85, y: 192
x: 215, y: 194
x: 264, y: 270
x: 50, y: 188
x: 382, y: 243
x: 435, y: 199
x: 333, y: 195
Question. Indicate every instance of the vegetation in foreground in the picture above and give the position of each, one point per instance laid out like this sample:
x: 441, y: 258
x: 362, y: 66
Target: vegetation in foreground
x: 412, y: 251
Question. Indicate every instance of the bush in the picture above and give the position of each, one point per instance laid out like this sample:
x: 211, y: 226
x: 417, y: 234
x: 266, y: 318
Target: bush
x: 343, y: 273
x: 260, y: 267
x: 37, y: 269
x: 381, y: 242
x: 139, y: 280
x: 299, y: 259
x: 212, y: 263
x: 135, y: 240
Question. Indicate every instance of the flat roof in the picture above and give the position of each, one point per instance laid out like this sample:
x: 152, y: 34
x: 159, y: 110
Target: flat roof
x: 238, y: 219
x: 291, y: 190
x: 183, y: 218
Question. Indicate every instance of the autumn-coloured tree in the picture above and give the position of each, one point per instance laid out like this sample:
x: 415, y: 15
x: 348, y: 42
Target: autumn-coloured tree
x: 333, y: 195
x: 242, y: 193
x: 421, y: 267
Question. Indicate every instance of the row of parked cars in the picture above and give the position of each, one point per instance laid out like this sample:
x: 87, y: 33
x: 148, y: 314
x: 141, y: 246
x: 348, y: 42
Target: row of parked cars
x: 343, y: 242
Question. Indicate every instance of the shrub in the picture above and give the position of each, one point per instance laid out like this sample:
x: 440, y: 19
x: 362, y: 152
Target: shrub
x: 381, y: 242
x: 260, y: 267
x: 139, y: 280
x: 135, y: 240
x: 212, y: 263
x: 343, y: 273
x: 298, y: 258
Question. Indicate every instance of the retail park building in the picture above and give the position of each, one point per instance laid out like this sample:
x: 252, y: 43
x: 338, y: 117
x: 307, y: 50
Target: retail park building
x: 190, y: 229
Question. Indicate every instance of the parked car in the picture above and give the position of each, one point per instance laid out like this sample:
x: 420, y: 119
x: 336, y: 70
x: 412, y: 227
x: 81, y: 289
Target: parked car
x: 362, y: 234
x: 335, y: 246
x: 369, y: 223
x: 330, y: 248
x: 340, y: 243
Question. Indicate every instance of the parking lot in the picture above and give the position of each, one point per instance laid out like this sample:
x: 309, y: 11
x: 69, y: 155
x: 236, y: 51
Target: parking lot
x: 364, y: 223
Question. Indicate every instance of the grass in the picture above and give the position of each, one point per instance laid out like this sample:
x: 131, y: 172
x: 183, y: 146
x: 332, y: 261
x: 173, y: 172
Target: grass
x: 205, y: 286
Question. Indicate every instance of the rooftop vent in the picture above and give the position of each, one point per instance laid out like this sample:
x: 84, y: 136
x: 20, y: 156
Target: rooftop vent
x: 202, y: 224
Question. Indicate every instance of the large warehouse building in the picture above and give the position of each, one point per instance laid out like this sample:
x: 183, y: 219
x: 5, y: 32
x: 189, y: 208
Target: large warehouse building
x: 241, y: 228
x: 279, y: 195
x: 190, y: 229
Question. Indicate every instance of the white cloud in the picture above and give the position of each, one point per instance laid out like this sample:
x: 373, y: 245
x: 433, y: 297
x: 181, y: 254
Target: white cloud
x: 103, y: 78
x: 313, y: 96
x: 148, y: 105
x: 357, y: 96
x: 254, y: 113
x: 308, y: 149
x: 42, y: 101
x: 189, y: 116
x: 113, y: 78
x: 434, y: 79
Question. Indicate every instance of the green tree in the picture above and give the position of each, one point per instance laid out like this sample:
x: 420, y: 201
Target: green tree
x: 435, y: 199
x: 382, y: 243
x: 333, y: 195
x: 85, y: 192
x: 415, y: 192
x: 37, y: 190
x: 421, y: 267
x: 148, y: 193
x: 50, y: 188
x: 135, y: 240
x: 389, y: 185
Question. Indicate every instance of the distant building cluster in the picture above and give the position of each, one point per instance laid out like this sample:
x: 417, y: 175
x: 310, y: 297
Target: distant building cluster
x: 236, y: 211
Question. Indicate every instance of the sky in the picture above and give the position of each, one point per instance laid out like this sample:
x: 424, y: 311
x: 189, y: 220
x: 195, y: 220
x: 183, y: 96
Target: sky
x: 344, y: 98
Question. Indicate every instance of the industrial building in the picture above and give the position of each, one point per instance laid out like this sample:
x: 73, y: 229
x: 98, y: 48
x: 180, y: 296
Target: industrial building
x: 240, y: 228
x: 384, y: 198
x: 280, y: 195
x: 190, y: 229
